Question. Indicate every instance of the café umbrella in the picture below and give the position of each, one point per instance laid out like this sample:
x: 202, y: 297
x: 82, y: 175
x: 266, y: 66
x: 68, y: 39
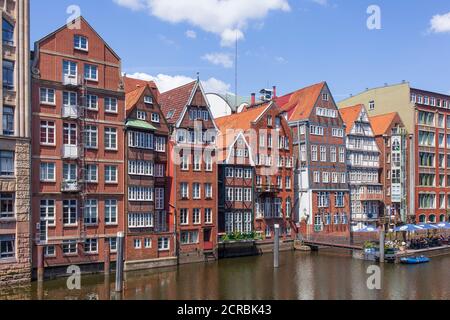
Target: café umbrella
x: 408, y: 228
x: 443, y: 225
x: 427, y: 226
x: 367, y: 229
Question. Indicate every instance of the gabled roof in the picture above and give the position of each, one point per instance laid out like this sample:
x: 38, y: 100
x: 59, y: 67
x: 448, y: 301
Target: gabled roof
x: 381, y: 123
x: 299, y: 104
x: 80, y: 18
x: 243, y: 120
x: 131, y: 84
x: 350, y: 114
x: 132, y: 97
x: 176, y: 100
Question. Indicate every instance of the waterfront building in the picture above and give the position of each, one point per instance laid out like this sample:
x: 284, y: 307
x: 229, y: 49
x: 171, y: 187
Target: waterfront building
x: 426, y: 116
x: 261, y: 136
x: 15, y: 148
x: 321, y: 186
x: 192, y: 171
x: 392, y: 141
x: 363, y: 160
x: 236, y: 180
x: 78, y: 113
x: 149, y: 236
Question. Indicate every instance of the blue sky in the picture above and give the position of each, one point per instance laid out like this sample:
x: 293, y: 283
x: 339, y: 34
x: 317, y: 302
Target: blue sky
x: 288, y: 43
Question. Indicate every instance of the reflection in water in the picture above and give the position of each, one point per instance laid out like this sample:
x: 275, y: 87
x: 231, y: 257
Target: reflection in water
x: 303, y: 276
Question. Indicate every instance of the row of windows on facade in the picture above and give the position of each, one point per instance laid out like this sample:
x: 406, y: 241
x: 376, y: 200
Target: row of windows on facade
x: 267, y: 161
x: 185, y: 161
x: 362, y: 144
x: 432, y: 218
x: 430, y: 101
x: 323, y: 199
x: 325, y: 219
x: 91, y: 216
x: 70, y: 71
x: 267, y: 141
x: 366, y: 208
x: 272, y: 208
x: 321, y: 131
x: 70, y: 211
x: 91, y: 246
x: 196, y: 216
x: 196, y: 191
x: 333, y: 156
x: 70, y: 99
x: 70, y: 135
x: 196, y: 136
x: 238, y: 194
x: 240, y: 222
x: 279, y: 183
x: 428, y: 201
x: 429, y: 119
x: 427, y: 159
x: 429, y: 180
x: 428, y: 139
x: 238, y: 173
x: 324, y: 177
x: 70, y: 171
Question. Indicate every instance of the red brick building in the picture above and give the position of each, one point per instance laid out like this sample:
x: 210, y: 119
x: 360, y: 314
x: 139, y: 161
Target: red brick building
x: 321, y: 188
x: 149, y: 236
x: 193, y: 171
x: 392, y: 141
x: 268, y: 140
x: 78, y: 117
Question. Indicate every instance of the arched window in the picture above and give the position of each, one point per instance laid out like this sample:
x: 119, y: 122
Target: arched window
x: 422, y: 218
x: 442, y: 218
x: 433, y: 218
x: 8, y: 32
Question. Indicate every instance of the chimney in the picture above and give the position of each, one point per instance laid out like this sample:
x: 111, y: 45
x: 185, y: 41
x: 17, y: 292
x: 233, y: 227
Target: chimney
x: 274, y: 94
x: 253, y: 101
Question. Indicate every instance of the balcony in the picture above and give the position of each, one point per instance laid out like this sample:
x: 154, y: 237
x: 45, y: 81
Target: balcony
x: 69, y: 151
x: 70, y: 80
x: 70, y: 186
x: 267, y: 188
x: 70, y: 112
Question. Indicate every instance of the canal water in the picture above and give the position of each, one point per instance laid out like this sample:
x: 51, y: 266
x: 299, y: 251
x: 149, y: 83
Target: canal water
x: 301, y: 276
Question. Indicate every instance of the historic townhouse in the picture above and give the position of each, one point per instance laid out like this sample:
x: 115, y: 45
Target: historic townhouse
x: 192, y: 171
x: 391, y: 138
x: 15, y: 149
x: 236, y: 183
x: 262, y: 134
x: 149, y: 233
x: 78, y: 152
x: 426, y: 116
x: 363, y: 159
x: 321, y: 187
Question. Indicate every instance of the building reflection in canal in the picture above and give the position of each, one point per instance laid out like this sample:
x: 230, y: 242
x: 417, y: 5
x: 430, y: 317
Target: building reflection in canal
x: 327, y: 275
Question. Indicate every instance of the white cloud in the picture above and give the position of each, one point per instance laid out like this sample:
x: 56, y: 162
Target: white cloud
x: 166, y: 82
x: 223, y: 18
x: 280, y: 60
x: 222, y: 59
x: 191, y: 34
x: 440, y: 23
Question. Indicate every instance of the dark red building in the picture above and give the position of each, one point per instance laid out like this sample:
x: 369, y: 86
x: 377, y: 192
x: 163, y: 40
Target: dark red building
x: 149, y: 236
x: 193, y: 171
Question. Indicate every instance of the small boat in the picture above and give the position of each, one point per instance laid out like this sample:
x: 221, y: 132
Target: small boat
x: 415, y: 260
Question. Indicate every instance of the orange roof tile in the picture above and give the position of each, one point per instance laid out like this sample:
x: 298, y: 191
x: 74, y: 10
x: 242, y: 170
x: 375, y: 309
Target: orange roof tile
x: 381, y: 123
x: 132, y: 97
x: 299, y: 104
x: 176, y: 100
x: 131, y: 84
x: 350, y: 114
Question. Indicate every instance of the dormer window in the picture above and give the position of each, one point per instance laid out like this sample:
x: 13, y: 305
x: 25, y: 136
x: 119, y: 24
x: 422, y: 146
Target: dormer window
x: 155, y: 117
x: 372, y: 105
x: 80, y: 43
x: 141, y: 115
x: 170, y: 114
x: 148, y: 99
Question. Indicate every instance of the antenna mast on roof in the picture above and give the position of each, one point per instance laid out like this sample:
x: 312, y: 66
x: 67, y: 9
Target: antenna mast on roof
x: 236, y: 74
